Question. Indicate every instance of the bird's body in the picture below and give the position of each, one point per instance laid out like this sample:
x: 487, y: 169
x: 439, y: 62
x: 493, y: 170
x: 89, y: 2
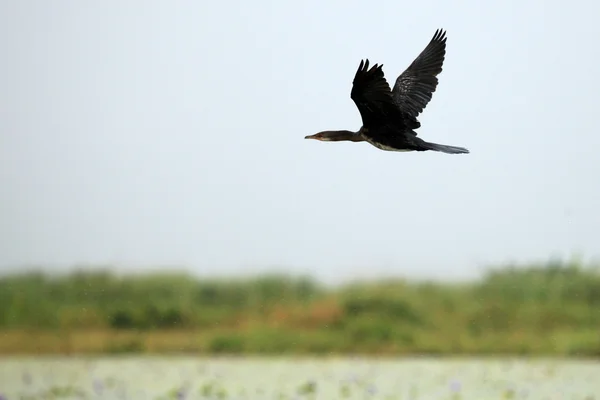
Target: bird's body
x: 390, y: 116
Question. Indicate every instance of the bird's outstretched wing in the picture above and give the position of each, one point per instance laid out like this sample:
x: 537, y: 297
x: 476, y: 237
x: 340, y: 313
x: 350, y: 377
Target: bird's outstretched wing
x: 371, y: 94
x: 415, y: 86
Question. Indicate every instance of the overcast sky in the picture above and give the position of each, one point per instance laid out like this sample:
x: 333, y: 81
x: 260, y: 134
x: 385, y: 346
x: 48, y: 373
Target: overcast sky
x: 149, y: 133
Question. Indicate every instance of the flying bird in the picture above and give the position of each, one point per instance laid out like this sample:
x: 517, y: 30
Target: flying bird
x: 389, y: 117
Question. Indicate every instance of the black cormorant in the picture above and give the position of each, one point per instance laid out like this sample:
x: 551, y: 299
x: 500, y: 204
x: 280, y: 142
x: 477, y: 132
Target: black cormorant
x: 390, y: 116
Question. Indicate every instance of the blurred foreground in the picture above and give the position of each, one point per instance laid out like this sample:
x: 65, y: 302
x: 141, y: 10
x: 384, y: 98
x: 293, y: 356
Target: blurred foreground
x: 549, y: 309
x: 162, y: 378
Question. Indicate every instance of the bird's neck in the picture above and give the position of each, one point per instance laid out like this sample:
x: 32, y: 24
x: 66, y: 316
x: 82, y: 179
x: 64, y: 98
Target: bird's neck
x: 344, y: 135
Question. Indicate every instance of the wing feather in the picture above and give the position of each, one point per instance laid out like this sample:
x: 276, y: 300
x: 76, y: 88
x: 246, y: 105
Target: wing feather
x: 371, y: 94
x: 415, y: 86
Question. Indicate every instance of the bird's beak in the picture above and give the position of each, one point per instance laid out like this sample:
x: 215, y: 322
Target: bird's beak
x: 311, y: 137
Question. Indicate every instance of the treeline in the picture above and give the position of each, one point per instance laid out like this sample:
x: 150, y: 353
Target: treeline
x: 539, y: 309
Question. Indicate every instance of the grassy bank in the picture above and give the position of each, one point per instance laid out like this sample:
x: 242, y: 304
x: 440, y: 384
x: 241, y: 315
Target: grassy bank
x: 549, y: 309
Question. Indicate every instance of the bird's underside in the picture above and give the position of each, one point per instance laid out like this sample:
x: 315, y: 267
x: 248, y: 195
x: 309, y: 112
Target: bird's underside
x: 390, y: 116
x: 389, y: 141
x: 402, y: 140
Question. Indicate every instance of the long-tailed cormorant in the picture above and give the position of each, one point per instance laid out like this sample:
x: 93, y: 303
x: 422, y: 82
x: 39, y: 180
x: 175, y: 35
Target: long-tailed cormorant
x: 390, y: 116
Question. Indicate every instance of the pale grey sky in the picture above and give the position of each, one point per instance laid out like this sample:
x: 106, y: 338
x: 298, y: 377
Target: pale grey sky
x: 144, y: 133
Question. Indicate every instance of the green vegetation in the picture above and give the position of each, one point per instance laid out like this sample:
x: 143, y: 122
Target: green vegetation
x: 551, y: 309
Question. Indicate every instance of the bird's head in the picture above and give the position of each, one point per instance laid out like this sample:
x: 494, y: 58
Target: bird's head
x: 334, y: 136
x: 322, y: 136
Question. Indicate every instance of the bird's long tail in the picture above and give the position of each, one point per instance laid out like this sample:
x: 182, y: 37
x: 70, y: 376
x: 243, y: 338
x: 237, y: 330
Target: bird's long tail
x: 444, y: 148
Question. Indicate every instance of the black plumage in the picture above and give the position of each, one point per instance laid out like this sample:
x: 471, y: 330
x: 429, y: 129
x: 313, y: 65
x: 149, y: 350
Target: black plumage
x: 390, y: 116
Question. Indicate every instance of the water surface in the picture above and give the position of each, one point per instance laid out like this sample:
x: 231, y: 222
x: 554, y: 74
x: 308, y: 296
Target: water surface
x: 296, y: 378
